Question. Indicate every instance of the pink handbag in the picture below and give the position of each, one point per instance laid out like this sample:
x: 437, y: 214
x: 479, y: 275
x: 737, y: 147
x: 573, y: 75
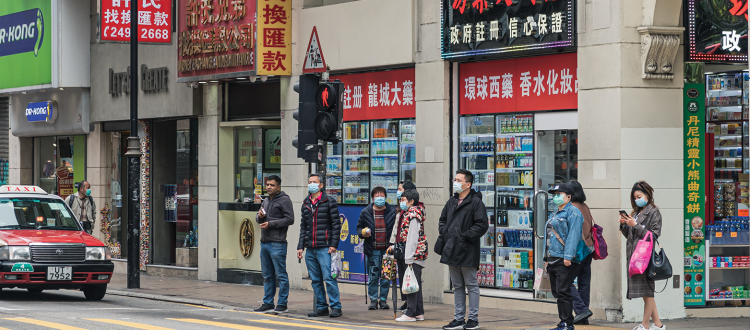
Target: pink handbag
x: 642, y: 255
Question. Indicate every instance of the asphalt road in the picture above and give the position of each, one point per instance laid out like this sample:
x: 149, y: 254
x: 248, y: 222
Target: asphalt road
x: 69, y: 310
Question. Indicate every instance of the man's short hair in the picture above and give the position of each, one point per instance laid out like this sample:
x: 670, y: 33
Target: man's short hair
x: 467, y: 176
x: 377, y: 190
x: 411, y: 194
x: 320, y: 177
x: 82, y: 185
x: 274, y: 178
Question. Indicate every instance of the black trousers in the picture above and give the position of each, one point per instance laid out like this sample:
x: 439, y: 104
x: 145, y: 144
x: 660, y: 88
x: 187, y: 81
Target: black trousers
x: 582, y: 295
x: 561, y: 280
x: 414, y: 302
x: 401, y: 270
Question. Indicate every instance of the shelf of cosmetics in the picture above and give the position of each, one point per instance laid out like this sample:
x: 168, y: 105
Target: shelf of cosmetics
x: 521, y: 179
x: 715, y: 114
x: 509, y: 272
x: 357, y: 149
x: 508, y: 125
x: 510, y: 144
x: 730, y: 132
x: 508, y: 238
x: 722, y: 101
x: 357, y: 164
x: 334, y: 192
x: 729, y: 262
x: 482, y: 163
x: 357, y: 131
x: 356, y: 197
x: 726, y: 82
x: 725, y: 197
x: 729, y: 292
x: 731, y: 231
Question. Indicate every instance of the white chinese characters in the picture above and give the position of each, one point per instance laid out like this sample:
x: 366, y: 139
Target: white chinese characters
x: 380, y: 95
x: 537, y: 26
x: 547, y: 82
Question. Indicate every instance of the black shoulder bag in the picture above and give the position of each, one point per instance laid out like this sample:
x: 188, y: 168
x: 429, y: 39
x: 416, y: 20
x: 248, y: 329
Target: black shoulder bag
x: 659, y: 268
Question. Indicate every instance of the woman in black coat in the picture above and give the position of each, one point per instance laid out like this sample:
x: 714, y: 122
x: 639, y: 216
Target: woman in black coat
x: 375, y: 226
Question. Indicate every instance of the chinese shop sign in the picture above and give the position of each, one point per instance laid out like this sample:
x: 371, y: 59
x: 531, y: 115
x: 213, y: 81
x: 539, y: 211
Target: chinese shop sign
x: 524, y: 84
x: 378, y: 95
x: 216, y: 39
x: 717, y: 31
x: 473, y: 28
x: 274, y: 37
x: 694, y: 191
x: 154, y: 20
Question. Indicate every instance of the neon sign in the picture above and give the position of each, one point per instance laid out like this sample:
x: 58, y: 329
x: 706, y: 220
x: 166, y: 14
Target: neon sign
x: 717, y: 31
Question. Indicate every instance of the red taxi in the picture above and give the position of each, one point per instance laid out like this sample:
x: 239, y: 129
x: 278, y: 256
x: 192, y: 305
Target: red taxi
x: 44, y: 247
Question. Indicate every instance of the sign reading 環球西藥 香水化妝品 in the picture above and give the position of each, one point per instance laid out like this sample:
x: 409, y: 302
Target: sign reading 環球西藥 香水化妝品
x: 45, y: 111
x: 506, y: 28
x: 25, y: 52
x: 717, y: 31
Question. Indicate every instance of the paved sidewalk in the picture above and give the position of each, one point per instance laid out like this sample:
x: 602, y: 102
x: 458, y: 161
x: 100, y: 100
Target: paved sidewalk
x: 246, y: 298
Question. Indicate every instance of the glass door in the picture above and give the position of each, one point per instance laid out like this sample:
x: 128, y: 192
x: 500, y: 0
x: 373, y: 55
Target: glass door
x: 356, y: 183
x: 333, y: 170
x: 384, y: 152
x: 407, y: 150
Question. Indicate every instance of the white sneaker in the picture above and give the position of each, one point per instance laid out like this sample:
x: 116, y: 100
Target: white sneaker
x: 406, y: 318
x: 654, y: 327
x: 640, y: 327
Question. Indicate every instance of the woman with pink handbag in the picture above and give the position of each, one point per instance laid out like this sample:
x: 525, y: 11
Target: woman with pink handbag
x: 641, y: 227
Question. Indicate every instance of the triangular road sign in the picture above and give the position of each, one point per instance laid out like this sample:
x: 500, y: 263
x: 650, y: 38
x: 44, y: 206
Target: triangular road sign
x: 314, y: 60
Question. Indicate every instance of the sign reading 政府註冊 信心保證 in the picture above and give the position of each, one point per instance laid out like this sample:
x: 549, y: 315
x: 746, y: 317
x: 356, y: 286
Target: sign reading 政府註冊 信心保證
x: 45, y: 111
x: 25, y: 34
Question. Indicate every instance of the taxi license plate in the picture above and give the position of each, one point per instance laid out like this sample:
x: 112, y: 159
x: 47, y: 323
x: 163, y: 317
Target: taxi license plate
x: 59, y: 273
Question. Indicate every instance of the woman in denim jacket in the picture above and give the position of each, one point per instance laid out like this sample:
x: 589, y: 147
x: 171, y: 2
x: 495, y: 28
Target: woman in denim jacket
x: 561, y: 242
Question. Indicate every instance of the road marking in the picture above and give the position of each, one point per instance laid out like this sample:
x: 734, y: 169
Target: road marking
x: 313, y: 321
x: 191, y: 305
x: 298, y: 325
x: 52, y: 325
x: 220, y: 324
x: 12, y: 309
x: 130, y: 324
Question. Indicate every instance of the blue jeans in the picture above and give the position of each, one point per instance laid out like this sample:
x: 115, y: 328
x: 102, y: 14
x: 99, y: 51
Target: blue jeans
x: 273, y: 265
x: 318, y: 262
x: 374, y: 264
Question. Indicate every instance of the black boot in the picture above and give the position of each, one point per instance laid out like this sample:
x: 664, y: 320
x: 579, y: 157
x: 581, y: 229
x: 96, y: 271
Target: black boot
x: 373, y: 305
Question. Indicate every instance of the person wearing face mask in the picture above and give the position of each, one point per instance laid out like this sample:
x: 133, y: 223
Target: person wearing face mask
x: 644, y: 218
x: 563, y: 233
x: 83, y: 206
x: 375, y: 226
x: 320, y: 228
x: 462, y: 224
x: 411, y: 232
x: 400, y: 265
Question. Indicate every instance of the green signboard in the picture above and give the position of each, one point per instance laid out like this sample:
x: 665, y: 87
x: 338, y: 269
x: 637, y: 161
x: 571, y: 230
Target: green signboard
x: 25, y: 43
x: 22, y: 267
x: 694, y: 148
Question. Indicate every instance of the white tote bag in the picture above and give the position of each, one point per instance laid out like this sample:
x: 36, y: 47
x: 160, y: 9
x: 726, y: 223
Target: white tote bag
x: 411, y: 284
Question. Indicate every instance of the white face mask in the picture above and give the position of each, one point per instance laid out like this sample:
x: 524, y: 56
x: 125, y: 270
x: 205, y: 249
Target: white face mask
x: 457, y: 187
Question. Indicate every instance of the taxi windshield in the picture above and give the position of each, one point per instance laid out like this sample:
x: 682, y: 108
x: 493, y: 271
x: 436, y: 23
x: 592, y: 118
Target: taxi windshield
x: 36, y: 213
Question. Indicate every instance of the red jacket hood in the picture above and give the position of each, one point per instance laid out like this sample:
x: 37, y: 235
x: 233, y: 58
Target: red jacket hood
x: 26, y: 236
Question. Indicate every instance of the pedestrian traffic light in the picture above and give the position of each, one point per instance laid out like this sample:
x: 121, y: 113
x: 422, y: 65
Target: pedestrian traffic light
x: 306, y: 142
x: 329, y: 120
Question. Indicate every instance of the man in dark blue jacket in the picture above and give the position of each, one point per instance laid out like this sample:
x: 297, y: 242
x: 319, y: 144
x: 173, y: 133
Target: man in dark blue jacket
x: 375, y: 226
x: 320, y: 227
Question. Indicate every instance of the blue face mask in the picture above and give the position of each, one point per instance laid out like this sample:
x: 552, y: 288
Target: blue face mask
x: 558, y: 200
x: 398, y: 195
x: 641, y: 202
x: 88, y: 192
x: 379, y: 201
x: 403, y: 205
x: 313, y: 188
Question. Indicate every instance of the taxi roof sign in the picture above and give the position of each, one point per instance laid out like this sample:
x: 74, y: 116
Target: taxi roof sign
x: 16, y: 189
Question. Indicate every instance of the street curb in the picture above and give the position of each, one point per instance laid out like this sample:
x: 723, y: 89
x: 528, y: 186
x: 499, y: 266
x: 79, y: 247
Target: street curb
x: 172, y: 299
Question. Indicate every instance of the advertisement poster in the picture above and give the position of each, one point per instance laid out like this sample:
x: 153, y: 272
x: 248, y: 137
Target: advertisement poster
x: 694, y: 179
x: 25, y: 43
x: 272, y: 159
x: 350, y: 246
x: 170, y: 203
x: 717, y: 31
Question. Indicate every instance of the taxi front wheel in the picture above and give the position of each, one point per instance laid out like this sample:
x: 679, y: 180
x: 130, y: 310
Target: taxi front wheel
x: 95, y: 292
x: 34, y: 290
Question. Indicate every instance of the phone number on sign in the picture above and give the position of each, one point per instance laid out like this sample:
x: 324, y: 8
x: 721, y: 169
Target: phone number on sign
x: 112, y: 31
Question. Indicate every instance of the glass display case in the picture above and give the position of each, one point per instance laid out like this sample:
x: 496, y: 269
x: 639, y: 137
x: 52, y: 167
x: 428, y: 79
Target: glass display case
x: 356, y: 163
x: 334, y: 176
x: 384, y: 152
x: 407, y: 151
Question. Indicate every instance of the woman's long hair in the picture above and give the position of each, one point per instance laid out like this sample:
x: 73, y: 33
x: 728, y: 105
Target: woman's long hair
x: 647, y: 190
x: 578, y: 195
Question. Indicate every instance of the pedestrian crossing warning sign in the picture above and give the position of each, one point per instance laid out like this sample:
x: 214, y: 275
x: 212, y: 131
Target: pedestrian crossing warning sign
x: 314, y: 60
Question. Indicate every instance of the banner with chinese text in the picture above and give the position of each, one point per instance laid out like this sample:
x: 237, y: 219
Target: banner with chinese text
x: 350, y: 245
x: 694, y: 192
x: 519, y: 85
x: 274, y: 37
x: 378, y: 95
x: 216, y: 38
x: 154, y: 20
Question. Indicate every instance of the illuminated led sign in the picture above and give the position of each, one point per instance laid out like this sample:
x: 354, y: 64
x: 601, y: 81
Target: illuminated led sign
x: 717, y: 31
x: 498, y: 28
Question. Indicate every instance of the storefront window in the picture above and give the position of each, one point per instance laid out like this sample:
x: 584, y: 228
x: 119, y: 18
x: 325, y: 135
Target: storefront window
x: 257, y: 156
x: 61, y: 161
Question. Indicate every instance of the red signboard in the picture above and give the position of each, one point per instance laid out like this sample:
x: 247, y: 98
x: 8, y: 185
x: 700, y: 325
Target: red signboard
x: 379, y: 95
x: 519, y: 85
x: 154, y: 20
x: 216, y: 37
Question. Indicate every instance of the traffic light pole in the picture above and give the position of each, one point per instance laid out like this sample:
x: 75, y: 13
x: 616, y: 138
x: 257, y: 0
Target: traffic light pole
x: 134, y: 160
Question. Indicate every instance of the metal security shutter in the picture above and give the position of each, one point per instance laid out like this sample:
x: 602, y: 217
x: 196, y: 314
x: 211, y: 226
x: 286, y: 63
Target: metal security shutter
x: 4, y: 146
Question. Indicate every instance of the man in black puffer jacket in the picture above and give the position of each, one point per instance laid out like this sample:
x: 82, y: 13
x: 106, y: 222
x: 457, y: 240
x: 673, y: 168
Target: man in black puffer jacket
x: 320, y: 227
x: 462, y: 224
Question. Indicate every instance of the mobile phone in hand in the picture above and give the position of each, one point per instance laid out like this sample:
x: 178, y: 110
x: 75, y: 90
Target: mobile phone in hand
x: 623, y: 213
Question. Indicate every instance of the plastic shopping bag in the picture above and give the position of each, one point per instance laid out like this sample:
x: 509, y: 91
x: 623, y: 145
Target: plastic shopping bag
x: 410, y: 282
x: 542, y: 283
x: 388, y: 270
x: 642, y: 255
x: 336, y: 267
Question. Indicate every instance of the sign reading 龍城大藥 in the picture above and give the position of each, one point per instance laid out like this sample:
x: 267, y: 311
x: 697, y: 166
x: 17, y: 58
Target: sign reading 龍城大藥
x: 516, y: 85
x: 25, y: 52
x: 495, y: 28
x: 45, y: 111
x: 717, y: 31
x: 216, y: 39
x: 378, y: 95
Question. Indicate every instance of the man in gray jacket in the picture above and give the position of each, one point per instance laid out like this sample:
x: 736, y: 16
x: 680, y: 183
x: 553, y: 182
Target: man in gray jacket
x: 275, y: 216
x: 83, y: 206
